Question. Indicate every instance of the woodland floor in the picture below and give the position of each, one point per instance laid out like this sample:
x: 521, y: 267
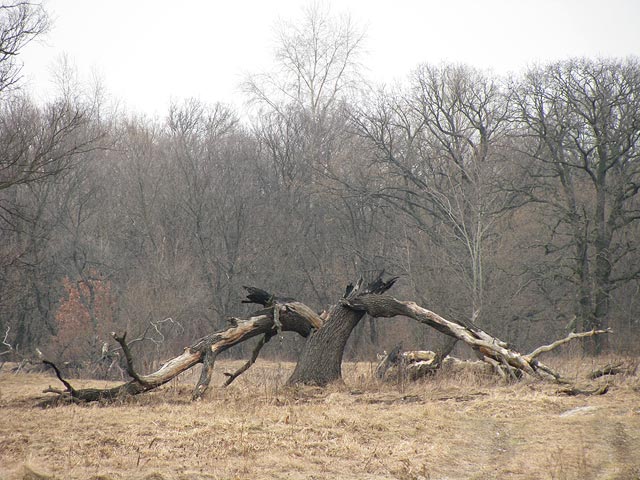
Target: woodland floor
x: 458, y: 426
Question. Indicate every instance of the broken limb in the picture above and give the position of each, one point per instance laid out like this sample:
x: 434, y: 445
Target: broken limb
x: 293, y: 317
x: 254, y: 356
x: 568, y: 338
x: 612, y: 369
x: 127, y: 356
x: 508, y: 362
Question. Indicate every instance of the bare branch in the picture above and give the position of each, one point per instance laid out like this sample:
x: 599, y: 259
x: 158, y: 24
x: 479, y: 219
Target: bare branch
x: 67, y: 385
x: 127, y: 355
x: 254, y: 356
x: 6, y: 343
x: 568, y: 338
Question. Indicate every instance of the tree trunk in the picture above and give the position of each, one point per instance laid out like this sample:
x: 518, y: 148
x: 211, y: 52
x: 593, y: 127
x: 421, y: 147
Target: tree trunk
x: 321, y: 360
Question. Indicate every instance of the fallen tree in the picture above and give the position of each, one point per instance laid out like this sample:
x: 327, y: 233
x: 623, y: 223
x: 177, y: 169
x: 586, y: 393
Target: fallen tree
x: 320, y: 362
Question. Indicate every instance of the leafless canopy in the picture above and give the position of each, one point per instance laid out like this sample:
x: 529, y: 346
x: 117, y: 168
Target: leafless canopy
x: 20, y: 23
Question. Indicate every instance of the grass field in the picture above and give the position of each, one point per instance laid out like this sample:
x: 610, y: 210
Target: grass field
x: 448, y: 427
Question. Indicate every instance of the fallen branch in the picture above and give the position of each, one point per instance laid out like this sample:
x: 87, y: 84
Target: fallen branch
x: 254, y: 356
x: 568, y: 338
x: 414, y: 364
x: 611, y: 369
x: 67, y: 385
x: 575, y: 391
x: 508, y: 362
x: 294, y: 317
x: 127, y: 355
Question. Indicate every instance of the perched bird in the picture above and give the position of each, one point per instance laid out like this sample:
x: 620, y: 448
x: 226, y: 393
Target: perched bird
x: 264, y: 298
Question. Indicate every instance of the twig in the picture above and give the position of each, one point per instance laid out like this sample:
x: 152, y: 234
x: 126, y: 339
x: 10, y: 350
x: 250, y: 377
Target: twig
x: 251, y: 361
x: 568, y: 338
x: 5, y: 343
x: 156, y: 327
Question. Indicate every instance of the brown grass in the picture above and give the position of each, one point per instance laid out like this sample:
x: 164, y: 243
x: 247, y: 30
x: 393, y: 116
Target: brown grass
x: 448, y: 427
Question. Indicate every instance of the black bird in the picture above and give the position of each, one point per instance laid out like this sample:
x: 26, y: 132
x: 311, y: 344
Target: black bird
x: 264, y: 298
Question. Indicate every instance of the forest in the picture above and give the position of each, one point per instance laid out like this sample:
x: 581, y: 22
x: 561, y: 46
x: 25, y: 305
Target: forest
x: 512, y: 201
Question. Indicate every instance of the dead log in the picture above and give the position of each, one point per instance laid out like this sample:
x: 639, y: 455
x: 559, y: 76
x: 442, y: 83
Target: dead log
x: 416, y: 364
x: 612, y: 369
x: 573, y: 391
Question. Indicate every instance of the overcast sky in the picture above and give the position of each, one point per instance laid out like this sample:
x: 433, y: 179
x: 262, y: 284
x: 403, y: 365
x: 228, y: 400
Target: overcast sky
x: 148, y: 52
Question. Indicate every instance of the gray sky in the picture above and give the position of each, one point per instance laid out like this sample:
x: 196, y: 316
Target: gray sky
x: 148, y: 52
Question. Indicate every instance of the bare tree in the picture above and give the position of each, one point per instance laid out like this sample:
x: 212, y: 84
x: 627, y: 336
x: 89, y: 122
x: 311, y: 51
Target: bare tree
x: 440, y: 155
x: 317, y: 65
x: 39, y: 148
x: 20, y: 23
x: 299, y: 123
x: 582, y: 126
x: 210, y: 156
x: 38, y: 143
x: 317, y: 68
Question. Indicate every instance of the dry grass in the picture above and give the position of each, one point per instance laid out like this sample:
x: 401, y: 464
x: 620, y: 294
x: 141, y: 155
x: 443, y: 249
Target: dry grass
x: 461, y: 427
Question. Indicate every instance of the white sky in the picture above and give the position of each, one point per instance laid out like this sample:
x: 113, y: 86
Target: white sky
x: 148, y: 52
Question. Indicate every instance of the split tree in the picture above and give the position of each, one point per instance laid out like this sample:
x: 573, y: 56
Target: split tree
x: 320, y: 362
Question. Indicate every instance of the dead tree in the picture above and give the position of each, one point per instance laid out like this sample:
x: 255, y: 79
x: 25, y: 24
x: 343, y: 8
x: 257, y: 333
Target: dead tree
x: 321, y: 360
x: 327, y: 334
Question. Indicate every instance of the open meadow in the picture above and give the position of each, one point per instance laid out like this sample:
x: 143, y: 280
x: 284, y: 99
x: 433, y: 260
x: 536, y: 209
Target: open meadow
x: 459, y: 426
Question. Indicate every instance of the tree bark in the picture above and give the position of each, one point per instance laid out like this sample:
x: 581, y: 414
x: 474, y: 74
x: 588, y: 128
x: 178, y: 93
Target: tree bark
x: 321, y: 360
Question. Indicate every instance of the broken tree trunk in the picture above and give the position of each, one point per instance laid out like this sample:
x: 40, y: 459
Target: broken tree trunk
x: 321, y: 360
x: 416, y: 364
x: 412, y: 365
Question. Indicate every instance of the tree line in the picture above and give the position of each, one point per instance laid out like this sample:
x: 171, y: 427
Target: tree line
x: 508, y: 201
